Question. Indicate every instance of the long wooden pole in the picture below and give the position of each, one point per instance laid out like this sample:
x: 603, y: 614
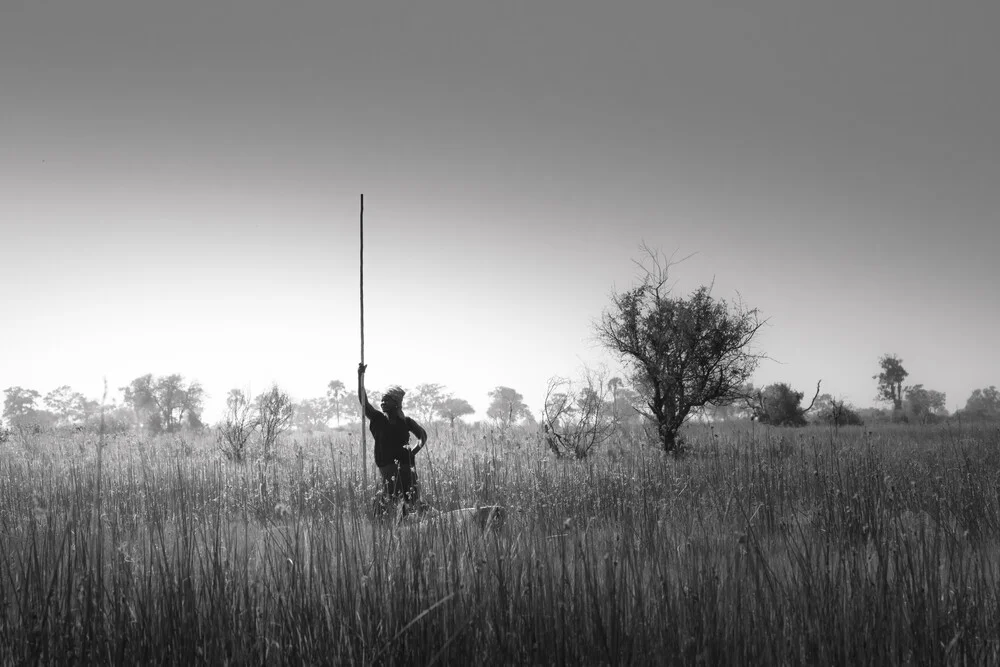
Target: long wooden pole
x: 364, y: 437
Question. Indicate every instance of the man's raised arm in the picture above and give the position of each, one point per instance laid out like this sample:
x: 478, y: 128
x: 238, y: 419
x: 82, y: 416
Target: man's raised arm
x: 362, y: 394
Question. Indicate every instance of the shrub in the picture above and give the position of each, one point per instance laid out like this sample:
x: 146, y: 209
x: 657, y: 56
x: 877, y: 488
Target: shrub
x: 274, y: 411
x: 240, y: 423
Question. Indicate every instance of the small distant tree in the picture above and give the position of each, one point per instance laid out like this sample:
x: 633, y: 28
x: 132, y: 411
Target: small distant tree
x: 627, y: 406
x: 109, y: 417
x: 312, y: 414
x: 615, y: 385
x: 335, y: 393
x: 20, y: 405
x: 239, y: 423
x: 683, y: 352
x: 890, y: 380
x: 87, y: 409
x: 425, y: 400
x: 507, y: 407
x: 65, y: 404
x: 192, y: 400
x: 924, y: 405
x: 164, y: 404
x: 982, y: 404
x: 873, y: 415
x: 141, y: 396
x: 780, y: 405
x: 726, y: 412
x: 350, y: 406
x: 452, y: 408
x: 275, y: 411
x: 577, y: 418
x: 836, y: 412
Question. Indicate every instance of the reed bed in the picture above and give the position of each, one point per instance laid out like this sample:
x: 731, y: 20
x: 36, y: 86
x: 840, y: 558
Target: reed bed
x: 758, y: 546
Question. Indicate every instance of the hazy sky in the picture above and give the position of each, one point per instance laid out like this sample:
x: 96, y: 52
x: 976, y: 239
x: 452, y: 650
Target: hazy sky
x: 179, y: 187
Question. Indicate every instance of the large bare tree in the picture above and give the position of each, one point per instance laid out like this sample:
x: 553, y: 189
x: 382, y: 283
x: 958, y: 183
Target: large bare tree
x: 683, y: 352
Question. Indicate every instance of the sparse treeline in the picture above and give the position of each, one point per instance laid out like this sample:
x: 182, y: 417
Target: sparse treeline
x: 576, y: 415
x: 167, y: 404
x: 684, y: 357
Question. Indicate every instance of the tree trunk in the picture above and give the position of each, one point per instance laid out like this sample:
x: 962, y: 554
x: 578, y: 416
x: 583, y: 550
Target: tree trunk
x: 668, y: 436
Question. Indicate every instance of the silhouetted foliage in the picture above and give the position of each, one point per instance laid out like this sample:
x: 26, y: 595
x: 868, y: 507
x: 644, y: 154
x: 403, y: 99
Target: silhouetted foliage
x: 780, y: 405
x: 836, y: 413
x: 924, y: 405
x: 982, y: 404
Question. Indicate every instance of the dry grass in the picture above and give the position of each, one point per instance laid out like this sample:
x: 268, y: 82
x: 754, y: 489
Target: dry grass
x: 759, y: 546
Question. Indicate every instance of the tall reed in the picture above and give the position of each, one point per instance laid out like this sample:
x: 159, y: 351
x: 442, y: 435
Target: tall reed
x: 759, y: 546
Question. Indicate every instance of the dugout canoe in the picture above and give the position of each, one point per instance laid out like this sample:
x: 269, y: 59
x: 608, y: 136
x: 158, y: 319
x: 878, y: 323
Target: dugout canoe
x: 484, y: 518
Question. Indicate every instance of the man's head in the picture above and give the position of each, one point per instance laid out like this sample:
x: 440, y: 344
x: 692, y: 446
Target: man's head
x: 392, y: 399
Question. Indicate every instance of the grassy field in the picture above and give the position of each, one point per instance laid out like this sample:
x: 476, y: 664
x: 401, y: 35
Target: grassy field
x: 759, y: 546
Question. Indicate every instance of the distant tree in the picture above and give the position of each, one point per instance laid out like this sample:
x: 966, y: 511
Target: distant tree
x: 506, y: 407
x: 982, y: 404
x: 236, y: 398
x: 452, y: 408
x: 192, y: 399
x: 275, y: 411
x: 164, y: 404
x: 924, y: 405
x: 780, y: 405
x: 425, y: 399
x: 875, y: 415
x: 890, y: 380
x: 335, y: 393
x: 312, y: 414
x: 20, y: 405
x: 88, y: 408
x: 823, y: 402
x: 68, y: 406
x: 836, y: 413
x: 627, y: 403
x: 683, y: 352
x: 725, y: 412
x: 109, y: 417
x: 614, y: 386
x: 350, y: 405
x: 140, y: 396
